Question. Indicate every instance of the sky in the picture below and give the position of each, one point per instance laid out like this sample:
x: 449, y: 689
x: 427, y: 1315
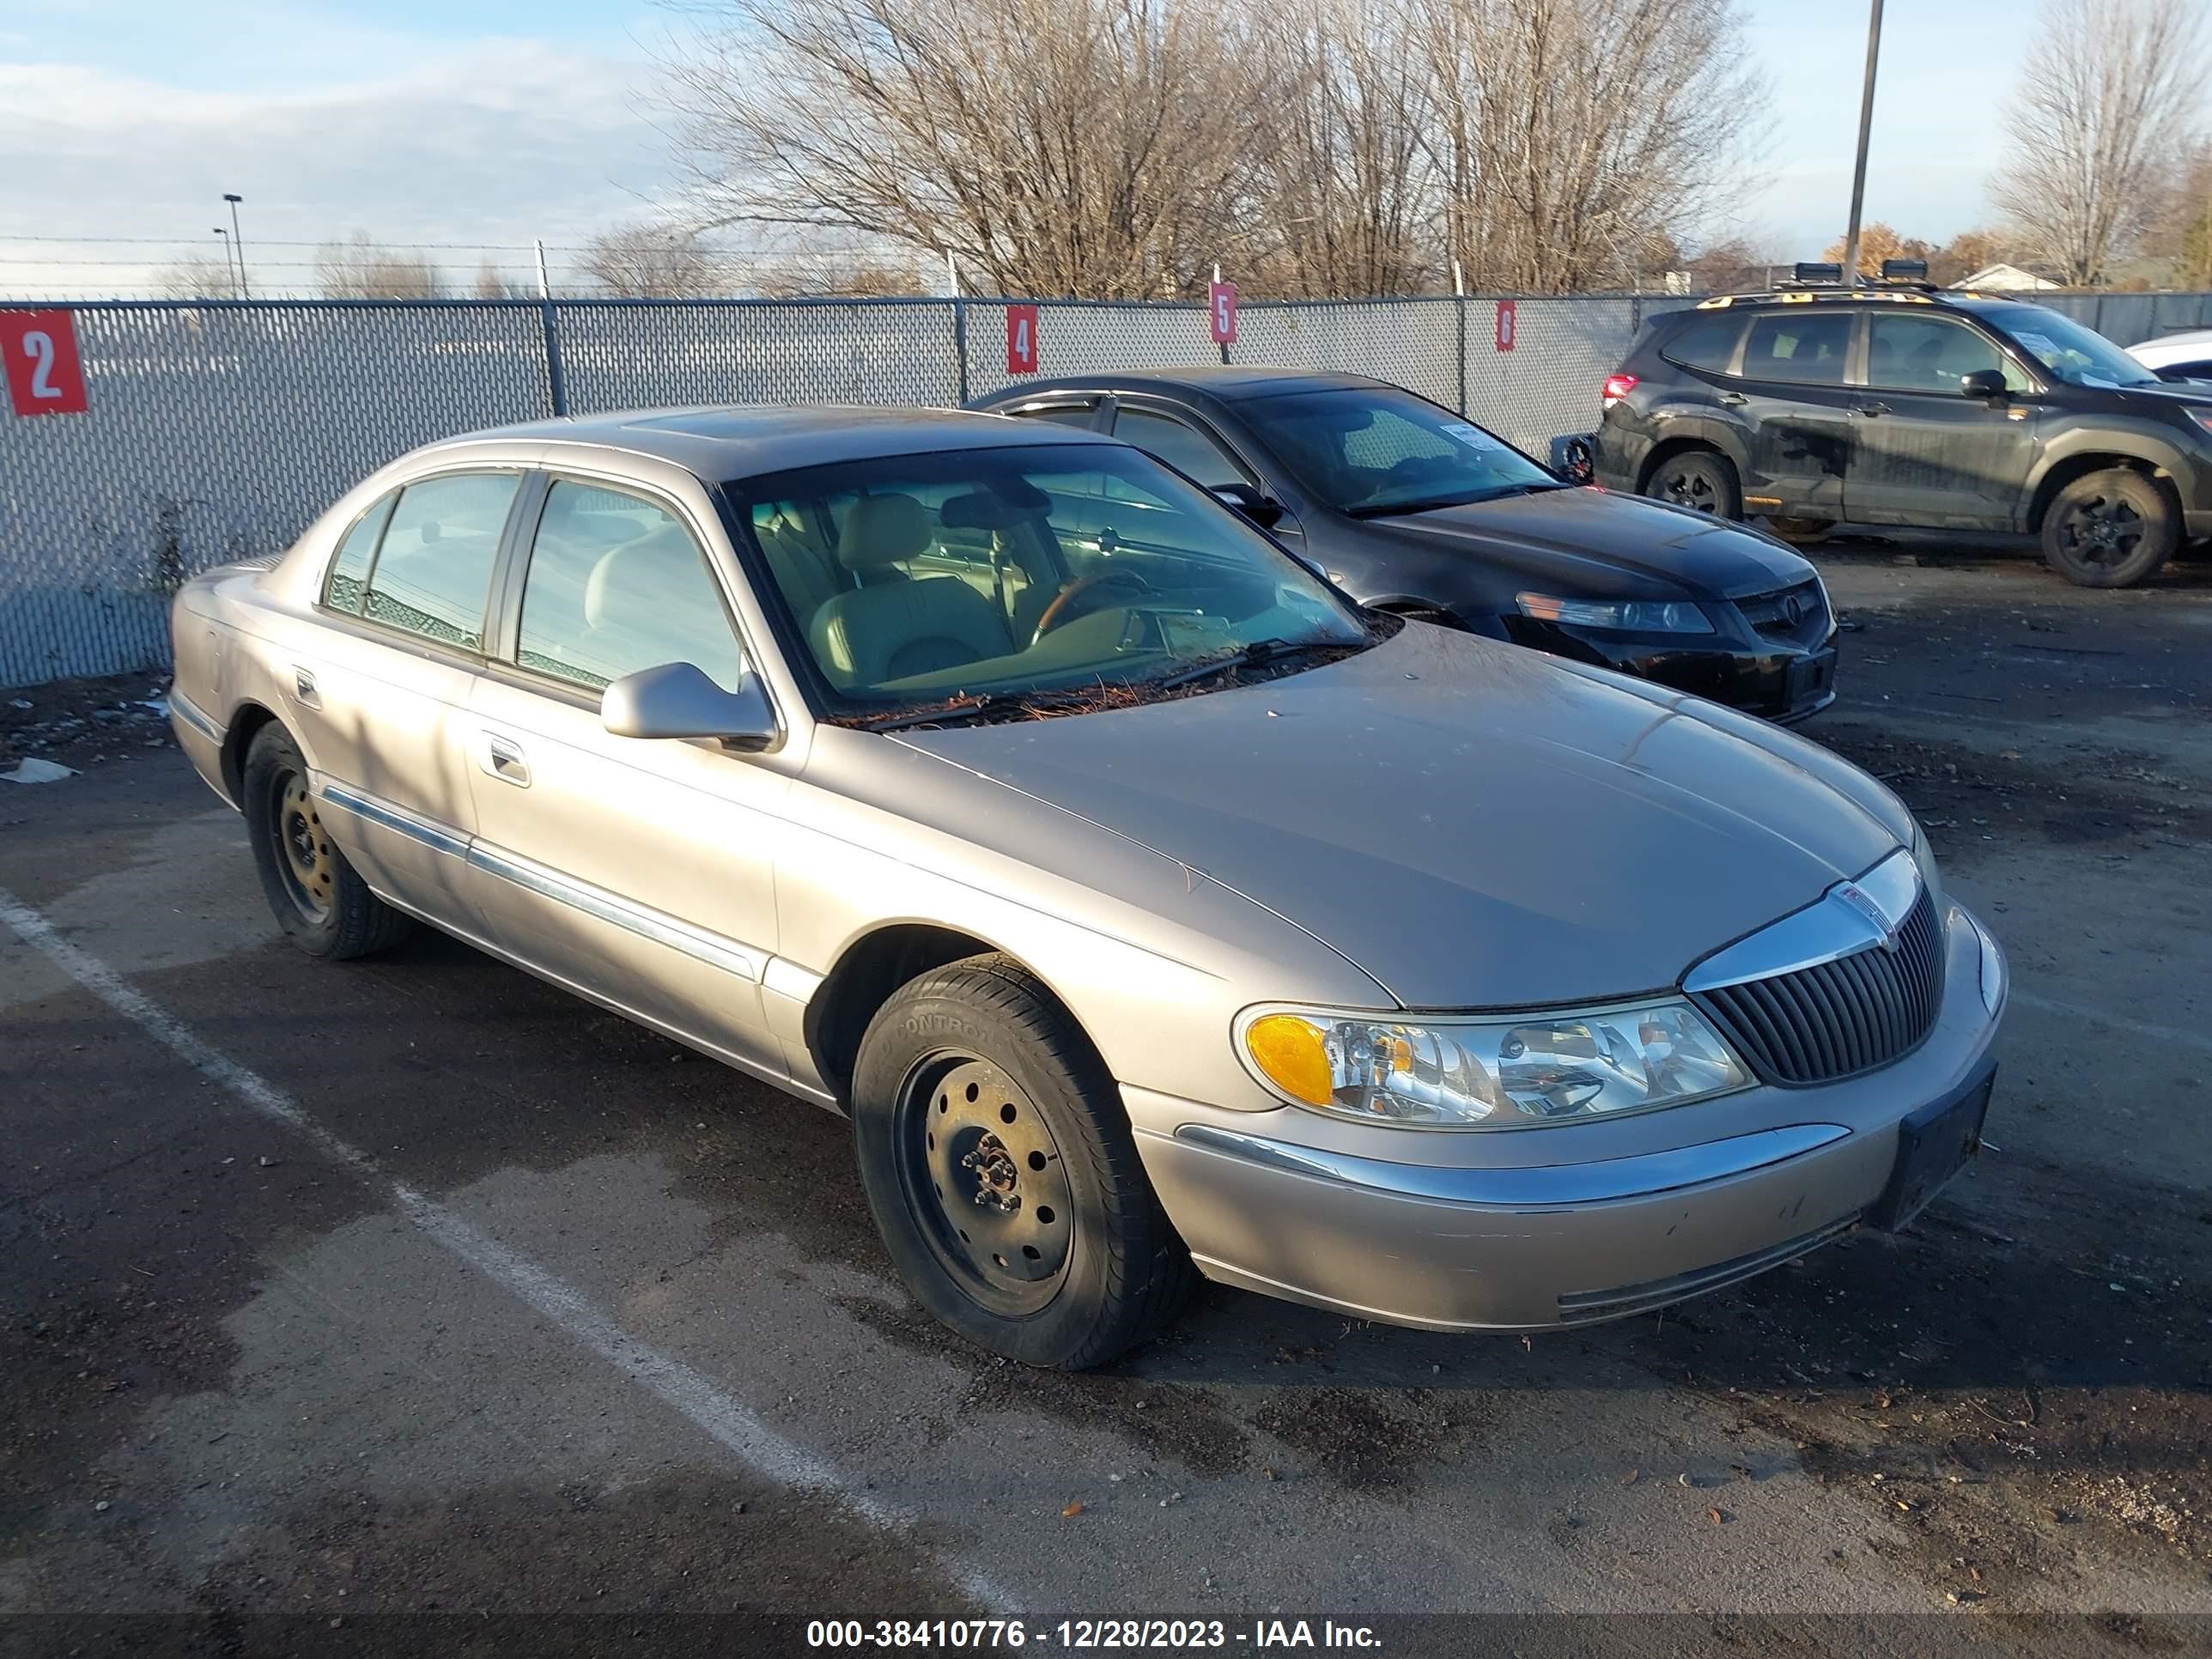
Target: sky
x: 502, y: 121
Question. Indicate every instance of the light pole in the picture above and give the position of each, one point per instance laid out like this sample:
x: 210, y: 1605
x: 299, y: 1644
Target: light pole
x: 1859, y: 172
x: 239, y: 242
x: 228, y: 270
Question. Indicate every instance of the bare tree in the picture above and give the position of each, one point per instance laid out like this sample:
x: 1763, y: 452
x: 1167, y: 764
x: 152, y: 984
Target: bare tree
x: 361, y: 269
x: 1089, y: 147
x: 490, y: 284
x: 2098, y: 125
x: 2182, y: 236
x: 1341, y: 179
x: 1567, y: 131
x: 196, y: 276
x: 651, y: 261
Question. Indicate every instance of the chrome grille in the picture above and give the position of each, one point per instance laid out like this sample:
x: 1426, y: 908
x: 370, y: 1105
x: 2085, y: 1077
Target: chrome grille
x: 1798, y: 614
x: 1841, y: 1018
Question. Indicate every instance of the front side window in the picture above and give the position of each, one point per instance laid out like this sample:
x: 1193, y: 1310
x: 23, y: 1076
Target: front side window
x: 1180, y: 445
x: 2077, y: 355
x: 432, y: 570
x: 1067, y: 570
x: 1375, y: 451
x: 616, y: 584
x: 1806, y: 346
x: 1929, y: 354
x: 348, y: 579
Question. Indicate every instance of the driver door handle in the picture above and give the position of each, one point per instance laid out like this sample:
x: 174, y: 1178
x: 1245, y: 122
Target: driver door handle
x: 1870, y: 409
x: 1732, y: 400
x: 503, y: 760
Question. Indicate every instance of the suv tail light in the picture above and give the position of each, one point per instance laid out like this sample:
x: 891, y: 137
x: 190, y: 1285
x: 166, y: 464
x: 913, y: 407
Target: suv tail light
x: 1618, y: 387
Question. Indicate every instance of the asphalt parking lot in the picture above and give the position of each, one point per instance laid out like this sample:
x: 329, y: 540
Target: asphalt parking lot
x: 415, y: 1287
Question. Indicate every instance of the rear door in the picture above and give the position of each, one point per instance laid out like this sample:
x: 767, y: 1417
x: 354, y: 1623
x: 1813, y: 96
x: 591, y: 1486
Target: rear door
x: 1796, y: 404
x: 1924, y: 452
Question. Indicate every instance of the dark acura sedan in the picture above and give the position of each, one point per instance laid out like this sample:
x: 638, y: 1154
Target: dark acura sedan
x: 1409, y: 507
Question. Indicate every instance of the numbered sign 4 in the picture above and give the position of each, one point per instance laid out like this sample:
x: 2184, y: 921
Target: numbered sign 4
x: 45, y: 376
x: 1223, y: 298
x: 1505, y: 325
x: 1021, y: 339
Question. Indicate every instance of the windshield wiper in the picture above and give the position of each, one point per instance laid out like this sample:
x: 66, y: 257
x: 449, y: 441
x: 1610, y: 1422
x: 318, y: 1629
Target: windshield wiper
x: 989, y: 706
x: 1270, y: 652
x: 1401, y: 509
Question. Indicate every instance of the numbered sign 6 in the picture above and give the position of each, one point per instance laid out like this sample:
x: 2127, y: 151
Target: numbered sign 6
x: 44, y: 374
x: 1505, y: 325
x: 1021, y: 339
x: 1224, y: 297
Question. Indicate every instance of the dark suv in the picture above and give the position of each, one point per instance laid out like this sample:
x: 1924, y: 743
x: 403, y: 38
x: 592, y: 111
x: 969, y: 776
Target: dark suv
x: 1914, y: 406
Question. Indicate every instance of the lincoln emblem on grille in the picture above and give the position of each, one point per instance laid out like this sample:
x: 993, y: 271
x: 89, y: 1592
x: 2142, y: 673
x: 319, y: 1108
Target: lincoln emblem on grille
x: 1861, y: 900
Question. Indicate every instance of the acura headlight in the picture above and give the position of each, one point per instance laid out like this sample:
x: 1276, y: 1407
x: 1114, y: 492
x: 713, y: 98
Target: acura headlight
x: 1511, y: 1072
x: 1624, y: 616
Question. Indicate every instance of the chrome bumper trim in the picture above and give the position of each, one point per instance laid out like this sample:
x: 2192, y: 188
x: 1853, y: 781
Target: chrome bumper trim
x: 1545, y: 1186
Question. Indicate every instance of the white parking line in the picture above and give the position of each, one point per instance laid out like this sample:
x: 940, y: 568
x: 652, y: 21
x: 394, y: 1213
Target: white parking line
x: 2142, y: 1028
x: 723, y: 1419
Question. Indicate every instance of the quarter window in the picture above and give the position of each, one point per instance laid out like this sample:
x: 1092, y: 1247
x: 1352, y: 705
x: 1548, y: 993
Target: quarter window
x: 1180, y: 445
x: 1806, y: 346
x: 617, y: 583
x: 1928, y: 354
x: 349, y: 570
x: 432, y: 568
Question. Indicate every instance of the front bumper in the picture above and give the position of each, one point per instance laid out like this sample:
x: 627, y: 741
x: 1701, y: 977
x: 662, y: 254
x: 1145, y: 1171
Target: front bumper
x: 1781, y: 682
x: 1651, y: 1209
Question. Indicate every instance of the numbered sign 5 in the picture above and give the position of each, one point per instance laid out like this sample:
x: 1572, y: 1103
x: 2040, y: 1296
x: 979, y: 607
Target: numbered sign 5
x: 1021, y: 339
x: 1505, y: 325
x: 1223, y: 298
x: 44, y: 374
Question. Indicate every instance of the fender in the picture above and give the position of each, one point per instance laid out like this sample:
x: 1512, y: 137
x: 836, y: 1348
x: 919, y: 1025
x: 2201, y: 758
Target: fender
x: 2124, y: 439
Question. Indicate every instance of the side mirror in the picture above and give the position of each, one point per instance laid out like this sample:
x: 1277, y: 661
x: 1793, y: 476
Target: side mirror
x: 1982, y: 383
x: 1263, y: 510
x: 676, y: 700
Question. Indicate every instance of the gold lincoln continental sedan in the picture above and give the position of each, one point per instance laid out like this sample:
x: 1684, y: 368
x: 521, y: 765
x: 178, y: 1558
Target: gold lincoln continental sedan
x: 1151, y: 909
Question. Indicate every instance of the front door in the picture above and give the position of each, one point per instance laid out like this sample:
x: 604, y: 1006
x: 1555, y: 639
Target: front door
x: 379, y: 696
x: 640, y: 870
x: 1796, y: 409
x: 1188, y: 448
x: 1925, y: 453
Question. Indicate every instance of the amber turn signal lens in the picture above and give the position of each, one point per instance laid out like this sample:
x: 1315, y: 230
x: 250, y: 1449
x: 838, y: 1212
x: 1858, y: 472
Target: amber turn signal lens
x: 1289, y: 1053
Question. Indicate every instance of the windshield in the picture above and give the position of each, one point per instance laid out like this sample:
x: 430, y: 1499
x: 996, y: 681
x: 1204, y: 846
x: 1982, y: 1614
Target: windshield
x: 1376, y: 451
x: 998, y: 575
x: 2078, y: 355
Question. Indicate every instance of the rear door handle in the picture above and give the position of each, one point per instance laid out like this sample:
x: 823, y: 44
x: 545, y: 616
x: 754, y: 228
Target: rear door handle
x: 1871, y: 409
x: 503, y: 760
x: 1732, y: 399
x: 303, y: 688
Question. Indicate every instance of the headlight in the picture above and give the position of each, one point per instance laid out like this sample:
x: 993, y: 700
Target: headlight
x: 1627, y: 616
x: 2202, y: 416
x: 1923, y: 855
x: 1993, y: 971
x: 1516, y: 1071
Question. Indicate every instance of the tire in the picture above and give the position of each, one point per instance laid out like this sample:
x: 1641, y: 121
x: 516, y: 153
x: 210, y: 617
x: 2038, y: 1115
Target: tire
x: 2111, y: 529
x: 319, y: 902
x: 1702, y: 480
x: 1801, y: 532
x: 973, y: 1080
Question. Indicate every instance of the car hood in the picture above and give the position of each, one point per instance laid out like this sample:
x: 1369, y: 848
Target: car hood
x: 1588, y: 539
x: 1471, y: 823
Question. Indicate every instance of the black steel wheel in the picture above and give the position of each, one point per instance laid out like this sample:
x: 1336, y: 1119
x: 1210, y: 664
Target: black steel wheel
x: 1002, y: 1174
x: 319, y: 901
x: 2111, y: 529
x: 1699, y: 479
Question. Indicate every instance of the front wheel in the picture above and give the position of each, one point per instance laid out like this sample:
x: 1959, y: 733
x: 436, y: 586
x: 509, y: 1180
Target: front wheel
x: 1699, y: 479
x: 1002, y: 1173
x: 2111, y: 529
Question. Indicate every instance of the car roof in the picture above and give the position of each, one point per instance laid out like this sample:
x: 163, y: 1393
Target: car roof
x: 731, y: 441
x: 2188, y: 343
x: 1952, y: 299
x: 1226, y: 382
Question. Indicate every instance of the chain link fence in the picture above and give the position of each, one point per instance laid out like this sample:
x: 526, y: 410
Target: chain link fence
x: 217, y: 430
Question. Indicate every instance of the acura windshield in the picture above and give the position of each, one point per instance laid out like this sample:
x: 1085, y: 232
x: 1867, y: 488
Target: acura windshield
x: 1374, y: 452
x: 2078, y: 355
x: 1024, y: 580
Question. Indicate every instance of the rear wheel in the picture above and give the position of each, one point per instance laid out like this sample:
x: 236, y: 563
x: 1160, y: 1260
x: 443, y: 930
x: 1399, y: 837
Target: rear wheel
x: 2111, y: 529
x: 318, y: 900
x: 1699, y: 479
x: 1002, y: 1173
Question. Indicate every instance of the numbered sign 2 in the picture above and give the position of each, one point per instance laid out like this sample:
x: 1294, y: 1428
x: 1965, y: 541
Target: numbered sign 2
x: 1021, y: 339
x: 1505, y: 325
x: 44, y: 374
x: 1222, y: 296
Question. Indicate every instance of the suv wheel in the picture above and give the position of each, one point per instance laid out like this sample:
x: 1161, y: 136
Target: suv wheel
x: 2110, y: 529
x: 1002, y: 1173
x: 1699, y: 479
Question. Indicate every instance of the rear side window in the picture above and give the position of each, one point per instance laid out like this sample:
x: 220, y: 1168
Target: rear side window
x: 1708, y: 342
x: 1806, y: 346
x: 432, y: 570
x: 617, y: 583
x: 348, y: 579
